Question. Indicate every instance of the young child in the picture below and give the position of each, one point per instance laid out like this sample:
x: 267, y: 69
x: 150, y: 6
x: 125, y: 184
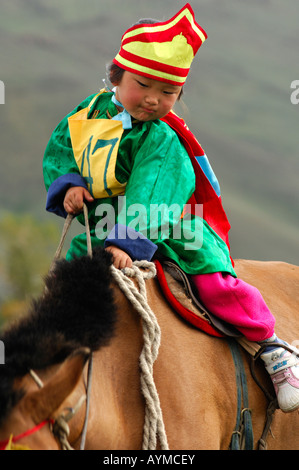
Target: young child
x: 124, y: 152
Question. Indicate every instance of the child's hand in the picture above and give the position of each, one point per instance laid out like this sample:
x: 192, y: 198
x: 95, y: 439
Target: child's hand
x: 74, y: 198
x: 120, y: 258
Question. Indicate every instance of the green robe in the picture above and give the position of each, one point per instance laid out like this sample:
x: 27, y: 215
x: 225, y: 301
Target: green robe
x: 159, y: 175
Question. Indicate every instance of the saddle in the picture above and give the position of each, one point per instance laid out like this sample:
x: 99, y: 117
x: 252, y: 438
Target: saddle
x: 179, y: 291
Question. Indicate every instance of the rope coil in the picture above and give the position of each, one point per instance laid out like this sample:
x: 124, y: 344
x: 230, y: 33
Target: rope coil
x: 153, y: 424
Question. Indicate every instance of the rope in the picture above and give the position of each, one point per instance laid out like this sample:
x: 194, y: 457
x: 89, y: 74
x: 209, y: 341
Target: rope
x: 61, y: 428
x: 66, y: 227
x: 88, y: 391
x: 153, y: 424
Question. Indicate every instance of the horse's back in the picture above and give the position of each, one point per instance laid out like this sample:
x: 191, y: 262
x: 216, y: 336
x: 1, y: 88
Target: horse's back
x: 195, y: 373
x: 279, y: 284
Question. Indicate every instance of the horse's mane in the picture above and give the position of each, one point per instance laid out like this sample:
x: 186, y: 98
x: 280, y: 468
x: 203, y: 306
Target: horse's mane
x: 77, y: 309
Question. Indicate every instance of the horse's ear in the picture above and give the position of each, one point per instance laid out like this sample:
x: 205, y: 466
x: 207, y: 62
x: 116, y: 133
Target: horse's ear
x: 44, y: 402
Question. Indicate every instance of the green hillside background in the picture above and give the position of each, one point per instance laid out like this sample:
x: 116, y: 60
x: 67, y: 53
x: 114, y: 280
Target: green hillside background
x: 236, y: 100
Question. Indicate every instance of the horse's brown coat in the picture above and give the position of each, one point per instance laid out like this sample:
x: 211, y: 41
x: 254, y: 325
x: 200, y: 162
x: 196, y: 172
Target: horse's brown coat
x: 194, y: 375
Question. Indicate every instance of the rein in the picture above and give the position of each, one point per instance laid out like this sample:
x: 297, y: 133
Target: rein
x: 63, y: 426
x: 59, y: 426
x: 154, y: 424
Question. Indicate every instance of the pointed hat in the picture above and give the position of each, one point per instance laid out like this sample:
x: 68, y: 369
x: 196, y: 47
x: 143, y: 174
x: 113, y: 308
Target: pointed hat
x: 162, y: 51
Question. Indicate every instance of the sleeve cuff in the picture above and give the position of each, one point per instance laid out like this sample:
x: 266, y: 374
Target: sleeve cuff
x: 132, y: 242
x: 58, y: 189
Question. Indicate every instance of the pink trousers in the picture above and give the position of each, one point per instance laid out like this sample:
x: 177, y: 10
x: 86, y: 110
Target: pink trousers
x: 236, y: 302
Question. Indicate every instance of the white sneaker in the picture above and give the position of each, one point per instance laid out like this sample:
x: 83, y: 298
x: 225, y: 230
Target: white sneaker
x: 283, y: 368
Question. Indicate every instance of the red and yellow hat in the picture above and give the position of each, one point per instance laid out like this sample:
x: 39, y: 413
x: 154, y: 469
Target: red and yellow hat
x: 162, y: 51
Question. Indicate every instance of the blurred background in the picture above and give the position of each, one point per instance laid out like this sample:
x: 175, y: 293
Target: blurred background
x: 236, y: 100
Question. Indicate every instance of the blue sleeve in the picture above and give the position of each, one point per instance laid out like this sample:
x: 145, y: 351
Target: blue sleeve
x: 132, y: 242
x: 58, y: 189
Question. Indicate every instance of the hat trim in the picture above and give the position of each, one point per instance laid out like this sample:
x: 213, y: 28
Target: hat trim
x: 153, y: 64
x: 149, y: 73
x: 166, y: 25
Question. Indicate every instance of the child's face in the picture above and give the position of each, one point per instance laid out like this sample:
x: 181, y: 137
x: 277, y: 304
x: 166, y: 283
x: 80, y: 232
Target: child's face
x: 144, y: 98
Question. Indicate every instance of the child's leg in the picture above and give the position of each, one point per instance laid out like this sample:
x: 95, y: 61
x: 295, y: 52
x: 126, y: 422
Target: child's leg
x: 236, y: 302
x: 243, y: 306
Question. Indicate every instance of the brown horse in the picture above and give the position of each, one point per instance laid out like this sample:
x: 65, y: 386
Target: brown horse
x: 82, y: 310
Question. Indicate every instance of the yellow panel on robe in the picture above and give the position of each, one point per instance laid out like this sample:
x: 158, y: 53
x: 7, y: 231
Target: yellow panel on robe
x: 95, y: 145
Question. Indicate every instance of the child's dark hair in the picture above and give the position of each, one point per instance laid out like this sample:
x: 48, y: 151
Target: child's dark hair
x: 115, y: 73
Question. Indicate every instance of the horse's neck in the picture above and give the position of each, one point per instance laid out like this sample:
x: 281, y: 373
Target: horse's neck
x: 117, y: 407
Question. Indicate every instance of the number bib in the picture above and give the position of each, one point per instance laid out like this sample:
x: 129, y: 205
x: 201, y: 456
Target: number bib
x: 95, y: 145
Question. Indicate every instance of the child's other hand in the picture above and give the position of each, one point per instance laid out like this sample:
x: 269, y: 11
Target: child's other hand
x: 74, y: 198
x: 120, y: 258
